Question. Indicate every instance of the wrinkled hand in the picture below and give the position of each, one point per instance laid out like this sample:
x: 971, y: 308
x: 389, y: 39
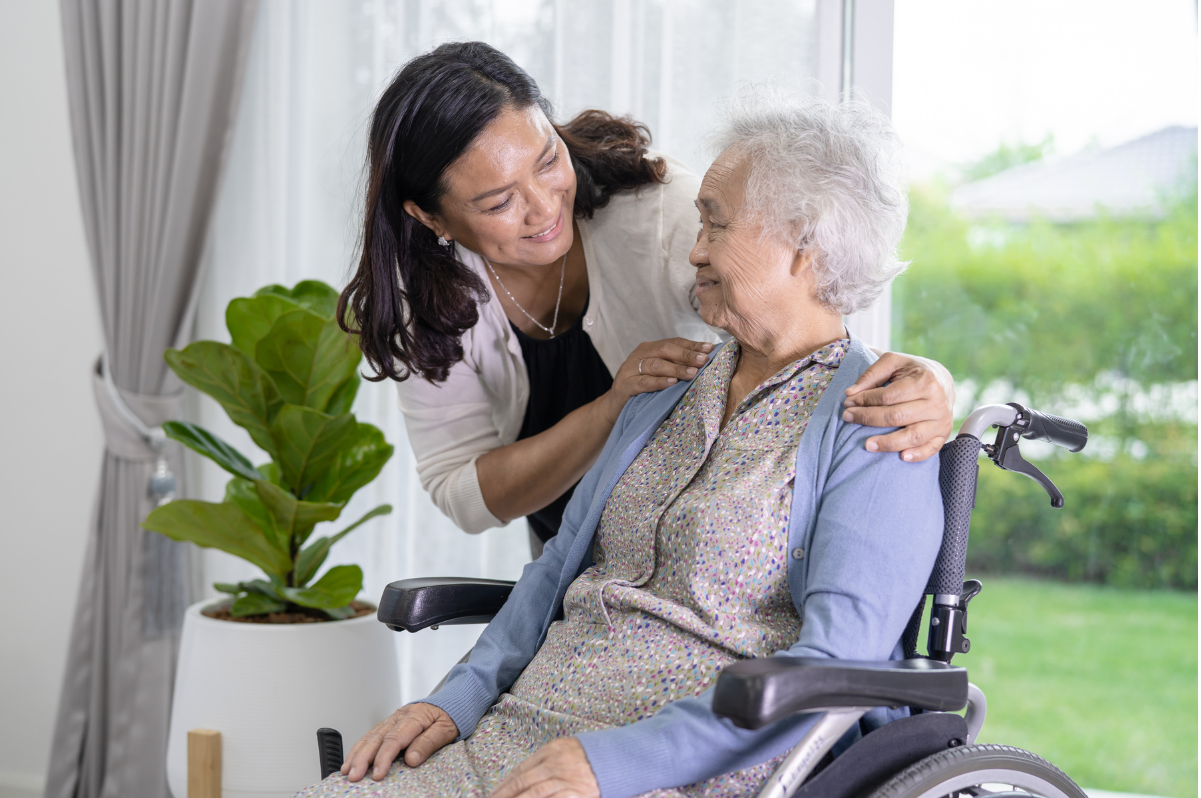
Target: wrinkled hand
x: 919, y: 398
x: 422, y: 729
x: 558, y: 769
x: 664, y: 363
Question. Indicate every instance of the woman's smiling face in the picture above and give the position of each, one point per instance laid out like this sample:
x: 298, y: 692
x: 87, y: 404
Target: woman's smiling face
x: 743, y: 278
x: 510, y: 196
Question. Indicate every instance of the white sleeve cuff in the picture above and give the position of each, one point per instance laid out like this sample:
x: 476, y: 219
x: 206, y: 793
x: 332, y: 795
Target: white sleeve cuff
x: 466, y: 503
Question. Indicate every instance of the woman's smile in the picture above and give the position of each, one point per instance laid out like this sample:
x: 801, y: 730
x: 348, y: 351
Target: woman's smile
x: 550, y: 234
x: 705, y: 281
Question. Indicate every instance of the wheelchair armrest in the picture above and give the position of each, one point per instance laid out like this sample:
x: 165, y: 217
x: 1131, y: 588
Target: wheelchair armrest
x: 755, y: 692
x: 413, y: 604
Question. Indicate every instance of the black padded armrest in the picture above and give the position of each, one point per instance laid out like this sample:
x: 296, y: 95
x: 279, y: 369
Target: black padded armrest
x: 756, y: 692
x: 413, y: 604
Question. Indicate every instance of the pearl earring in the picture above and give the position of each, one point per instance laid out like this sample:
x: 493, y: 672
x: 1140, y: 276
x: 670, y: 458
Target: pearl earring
x: 443, y: 241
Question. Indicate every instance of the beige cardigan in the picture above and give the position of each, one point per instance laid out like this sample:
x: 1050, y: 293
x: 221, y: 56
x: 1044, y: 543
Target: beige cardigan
x: 642, y: 288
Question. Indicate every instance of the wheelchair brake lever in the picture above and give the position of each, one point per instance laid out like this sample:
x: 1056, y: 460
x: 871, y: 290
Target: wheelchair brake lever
x: 1006, y: 455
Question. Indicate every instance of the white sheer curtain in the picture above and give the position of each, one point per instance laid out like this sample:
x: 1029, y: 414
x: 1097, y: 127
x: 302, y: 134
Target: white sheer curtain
x: 289, y: 205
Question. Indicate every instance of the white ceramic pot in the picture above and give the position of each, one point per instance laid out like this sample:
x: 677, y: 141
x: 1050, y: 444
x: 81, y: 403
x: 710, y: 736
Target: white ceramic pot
x: 268, y: 688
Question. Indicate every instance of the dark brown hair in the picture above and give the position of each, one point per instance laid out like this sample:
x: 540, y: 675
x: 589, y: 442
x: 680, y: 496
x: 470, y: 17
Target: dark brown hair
x: 410, y: 300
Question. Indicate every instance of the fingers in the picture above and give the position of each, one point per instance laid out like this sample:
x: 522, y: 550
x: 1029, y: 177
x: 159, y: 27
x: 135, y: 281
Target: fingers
x: 662, y: 367
x: 915, y: 443
x: 390, y: 747
x: 365, y: 751
x: 559, y: 769
x: 696, y: 346
x: 430, y: 741
x: 876, y: 374
x: 423, y: 726
x: 923, y: 452
x: 893, y: 415
x: 678, y: 350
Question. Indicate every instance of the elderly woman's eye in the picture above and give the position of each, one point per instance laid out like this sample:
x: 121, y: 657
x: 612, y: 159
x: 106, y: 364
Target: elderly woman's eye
x: 502, y: 206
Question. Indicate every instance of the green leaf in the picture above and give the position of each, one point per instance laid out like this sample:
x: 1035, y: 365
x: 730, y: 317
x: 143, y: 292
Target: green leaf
x: 219, y: 526
x: 294, y: 519
x: 311, y: 558
x: 270, y: 472
x: 336, y: 588
x: 206, y: 443
x: 242, y: 493
x: 262, y: 587
x: 355, y: 465
x: 226, y: 587
x: 256, y: 604
x: 250, y: 319
x: 311, y: 294
x: 308, y: 442
x: 307, y: 357
x: 235, y: 381
x: 317, y: 297
x: 343, y: 396
x: 339, y: 613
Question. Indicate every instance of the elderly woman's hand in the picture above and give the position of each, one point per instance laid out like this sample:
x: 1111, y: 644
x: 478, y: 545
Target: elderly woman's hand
x: 559, y: 768
x: 654, y: 366
x: 417, y: 729
x: 919, y: 397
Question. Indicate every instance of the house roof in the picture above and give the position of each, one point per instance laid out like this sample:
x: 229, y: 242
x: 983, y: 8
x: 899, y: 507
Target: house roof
x: 1128, y: 180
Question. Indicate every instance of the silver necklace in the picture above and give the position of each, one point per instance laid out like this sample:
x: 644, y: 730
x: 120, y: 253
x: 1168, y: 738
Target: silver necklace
x: 555, y: 321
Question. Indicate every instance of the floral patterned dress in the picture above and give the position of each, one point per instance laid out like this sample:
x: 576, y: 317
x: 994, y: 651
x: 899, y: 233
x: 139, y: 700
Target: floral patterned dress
x: 690, y: 574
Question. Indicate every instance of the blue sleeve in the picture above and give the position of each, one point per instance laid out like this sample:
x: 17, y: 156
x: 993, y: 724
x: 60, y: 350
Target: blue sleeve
x: 877, y: 532
x: 513, y: 637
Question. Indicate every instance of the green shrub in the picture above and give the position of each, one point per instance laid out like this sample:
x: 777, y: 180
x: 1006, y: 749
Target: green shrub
x: 1127, y: 522
x: 1058, y: 310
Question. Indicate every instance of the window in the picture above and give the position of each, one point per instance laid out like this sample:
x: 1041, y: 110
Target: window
x: 289, y: 204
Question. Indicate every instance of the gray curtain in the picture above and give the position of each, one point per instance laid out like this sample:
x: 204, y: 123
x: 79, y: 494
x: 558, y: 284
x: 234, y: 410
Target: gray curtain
x: 152, y: 86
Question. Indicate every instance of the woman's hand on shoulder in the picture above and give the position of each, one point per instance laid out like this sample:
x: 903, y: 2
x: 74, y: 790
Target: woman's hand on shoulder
x: 417, y: 729
x: 653, y: 366
x: 559, y: 768
x: 904, y: 391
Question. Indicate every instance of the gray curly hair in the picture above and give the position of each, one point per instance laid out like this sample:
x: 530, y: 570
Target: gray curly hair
x: 823, y: 176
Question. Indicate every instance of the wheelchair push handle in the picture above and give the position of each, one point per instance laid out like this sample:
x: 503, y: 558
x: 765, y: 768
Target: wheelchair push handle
x: 1063, y: 432
x: 1028, y: 423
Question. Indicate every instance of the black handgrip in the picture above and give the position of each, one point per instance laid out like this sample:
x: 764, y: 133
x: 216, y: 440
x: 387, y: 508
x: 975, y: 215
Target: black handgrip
x: 957, y: 472
x: 1071, y: 435
x: 329, y: 749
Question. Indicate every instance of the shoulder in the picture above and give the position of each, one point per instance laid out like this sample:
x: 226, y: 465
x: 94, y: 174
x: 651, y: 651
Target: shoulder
x: 647, y: 206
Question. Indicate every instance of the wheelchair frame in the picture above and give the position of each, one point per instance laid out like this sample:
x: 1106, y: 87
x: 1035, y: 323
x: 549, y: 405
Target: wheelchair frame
x: 932, y: 753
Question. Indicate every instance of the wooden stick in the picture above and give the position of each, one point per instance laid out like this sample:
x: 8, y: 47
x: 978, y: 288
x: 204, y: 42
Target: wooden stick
x: 204, y: 763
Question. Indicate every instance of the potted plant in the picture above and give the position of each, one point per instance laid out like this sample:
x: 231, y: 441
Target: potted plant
x: 292, y: 651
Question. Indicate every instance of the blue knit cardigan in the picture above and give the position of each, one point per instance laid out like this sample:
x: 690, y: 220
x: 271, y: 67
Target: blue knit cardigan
x: 863, y: 535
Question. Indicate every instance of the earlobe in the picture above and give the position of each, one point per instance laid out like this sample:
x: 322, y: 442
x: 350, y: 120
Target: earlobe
x: 801, y: 260
x: 412, y: 209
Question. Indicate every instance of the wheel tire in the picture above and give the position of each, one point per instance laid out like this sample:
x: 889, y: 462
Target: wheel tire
x: 957, y: 769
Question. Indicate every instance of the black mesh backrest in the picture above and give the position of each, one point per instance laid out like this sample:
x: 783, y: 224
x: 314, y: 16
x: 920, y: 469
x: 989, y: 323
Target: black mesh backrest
x: 957, y: 473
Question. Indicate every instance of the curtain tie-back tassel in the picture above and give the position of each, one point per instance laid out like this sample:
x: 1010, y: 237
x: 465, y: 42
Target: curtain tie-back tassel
x: 128, y: 437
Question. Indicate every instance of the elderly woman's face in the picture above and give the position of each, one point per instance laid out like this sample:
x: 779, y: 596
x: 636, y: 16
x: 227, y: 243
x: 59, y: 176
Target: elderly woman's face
x: 743, y: 278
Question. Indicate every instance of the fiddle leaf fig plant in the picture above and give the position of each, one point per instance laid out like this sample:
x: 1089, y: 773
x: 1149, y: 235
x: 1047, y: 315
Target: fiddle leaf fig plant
x: 288, y: 378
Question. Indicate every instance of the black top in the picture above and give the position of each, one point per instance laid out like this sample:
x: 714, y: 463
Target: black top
x: 566, y: 372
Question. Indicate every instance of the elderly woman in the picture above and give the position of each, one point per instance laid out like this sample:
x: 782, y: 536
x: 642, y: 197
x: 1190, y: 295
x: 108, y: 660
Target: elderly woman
x: 736, y: 515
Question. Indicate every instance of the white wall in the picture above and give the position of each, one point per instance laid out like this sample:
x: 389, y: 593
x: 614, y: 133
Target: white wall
x: 50, y: 437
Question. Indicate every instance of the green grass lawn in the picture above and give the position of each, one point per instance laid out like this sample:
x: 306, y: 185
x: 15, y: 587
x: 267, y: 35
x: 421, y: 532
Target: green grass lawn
x: 1100, y: 681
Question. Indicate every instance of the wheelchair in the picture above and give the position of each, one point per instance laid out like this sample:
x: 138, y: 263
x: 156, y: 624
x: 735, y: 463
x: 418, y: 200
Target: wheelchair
x: 930, y: 754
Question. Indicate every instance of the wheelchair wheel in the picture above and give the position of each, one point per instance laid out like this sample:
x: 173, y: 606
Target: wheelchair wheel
x: 988, y: 771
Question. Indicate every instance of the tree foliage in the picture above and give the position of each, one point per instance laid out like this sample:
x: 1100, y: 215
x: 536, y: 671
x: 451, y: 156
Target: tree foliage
x: 1082, y: 310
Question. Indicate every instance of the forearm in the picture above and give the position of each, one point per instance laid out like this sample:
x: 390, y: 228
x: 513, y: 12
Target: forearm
x: 525, y: 476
